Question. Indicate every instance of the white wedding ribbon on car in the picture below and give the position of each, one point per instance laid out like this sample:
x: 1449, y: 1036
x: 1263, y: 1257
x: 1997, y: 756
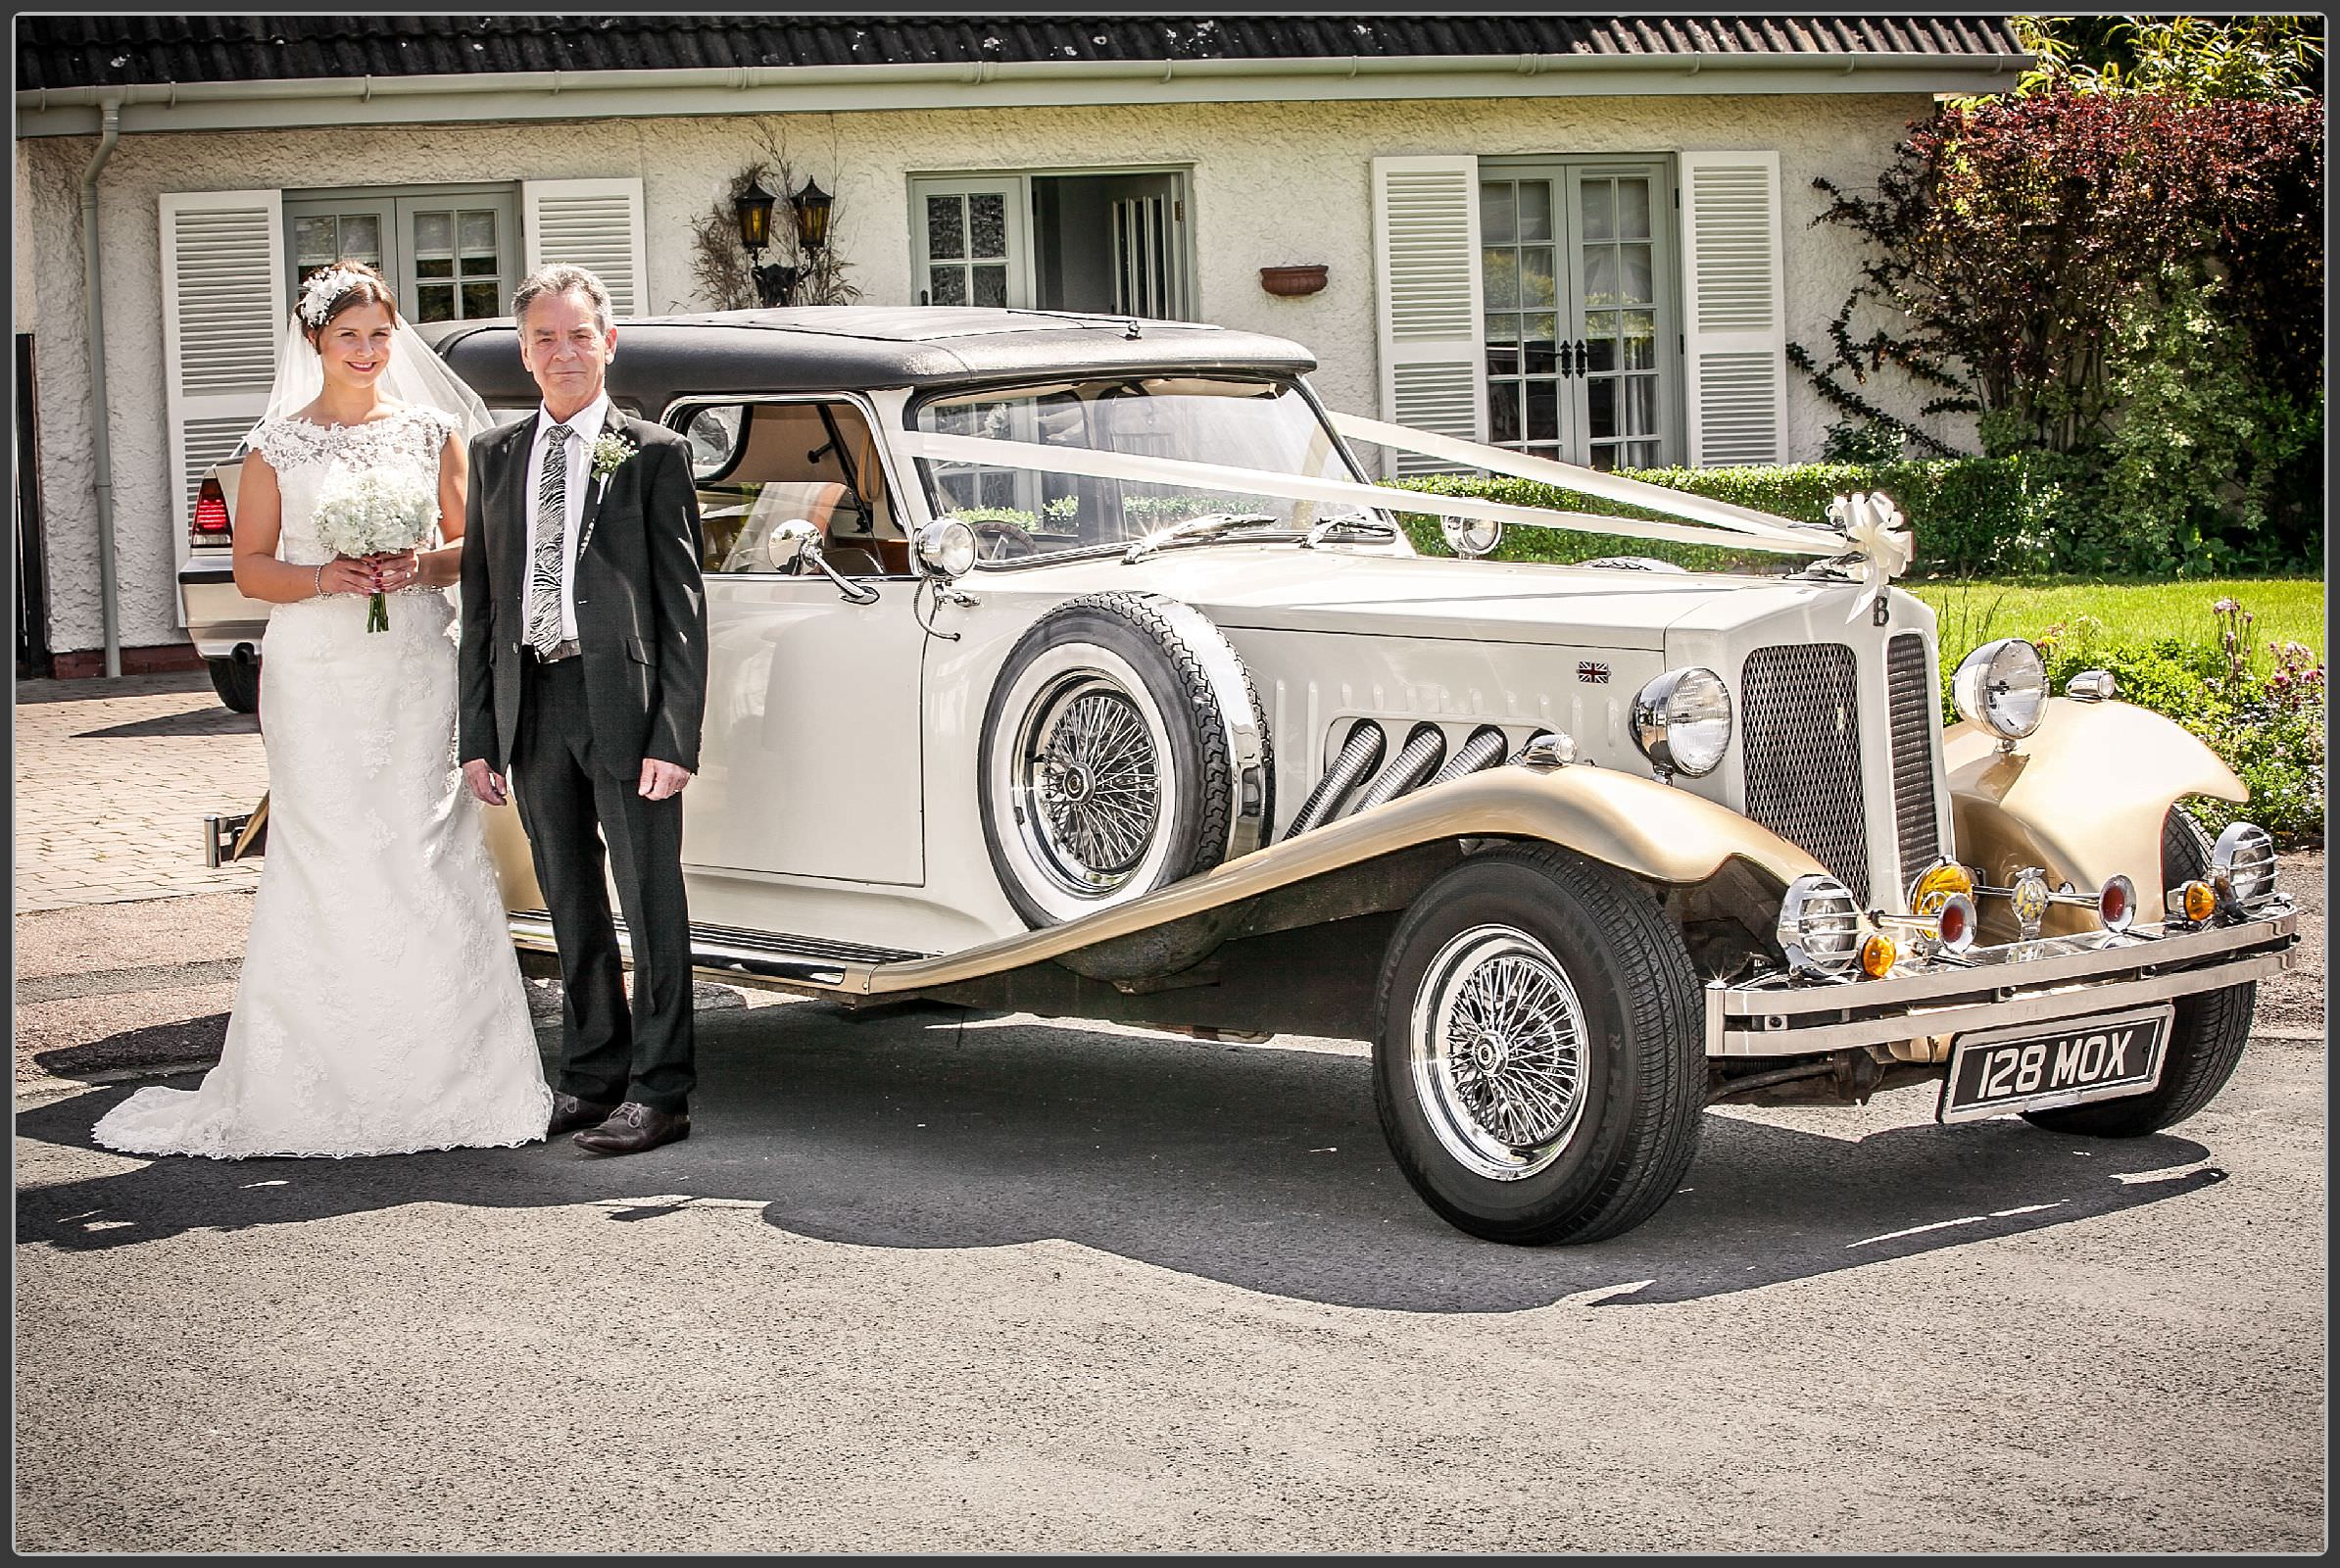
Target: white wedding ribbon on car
x: 1867, y: 522
x: 1776, y: 534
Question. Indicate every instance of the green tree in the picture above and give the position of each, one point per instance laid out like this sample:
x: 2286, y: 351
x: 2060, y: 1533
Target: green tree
x: 2194, y: 59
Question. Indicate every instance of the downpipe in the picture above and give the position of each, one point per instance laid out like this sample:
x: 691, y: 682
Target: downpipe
x: 101, y: 445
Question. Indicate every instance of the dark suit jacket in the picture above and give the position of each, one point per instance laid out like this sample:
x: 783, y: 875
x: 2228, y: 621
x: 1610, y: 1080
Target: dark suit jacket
x: 641, y: 607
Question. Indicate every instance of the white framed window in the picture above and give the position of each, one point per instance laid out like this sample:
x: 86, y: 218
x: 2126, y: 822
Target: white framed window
x: 1107, y: 241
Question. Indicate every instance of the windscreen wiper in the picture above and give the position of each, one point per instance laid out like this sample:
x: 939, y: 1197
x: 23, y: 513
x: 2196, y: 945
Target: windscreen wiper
x: 1207, y: 527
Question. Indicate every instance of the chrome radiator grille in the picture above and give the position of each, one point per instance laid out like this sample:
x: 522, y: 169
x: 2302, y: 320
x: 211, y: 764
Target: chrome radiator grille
x: 1802, y: 729
x: 1911, y: 700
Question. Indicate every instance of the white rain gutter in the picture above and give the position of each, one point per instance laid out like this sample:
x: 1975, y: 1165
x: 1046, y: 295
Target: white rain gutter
x: 754, y: 89
x: 101, y: 447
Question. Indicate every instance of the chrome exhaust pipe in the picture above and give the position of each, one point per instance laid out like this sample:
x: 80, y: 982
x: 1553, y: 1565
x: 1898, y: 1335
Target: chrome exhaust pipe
x: 1416, y: 759
x: 1359, y: 755
x: 1484, y: 750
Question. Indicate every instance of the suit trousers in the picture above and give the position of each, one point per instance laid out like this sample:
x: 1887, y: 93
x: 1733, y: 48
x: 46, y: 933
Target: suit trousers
x: 572, y: 806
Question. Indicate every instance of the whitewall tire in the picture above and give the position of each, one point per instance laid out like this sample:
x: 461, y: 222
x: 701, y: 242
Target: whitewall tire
x: 1123, y: 749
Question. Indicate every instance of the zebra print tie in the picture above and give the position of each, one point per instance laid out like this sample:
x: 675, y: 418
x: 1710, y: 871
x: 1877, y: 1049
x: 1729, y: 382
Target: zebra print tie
x: 549, y: 546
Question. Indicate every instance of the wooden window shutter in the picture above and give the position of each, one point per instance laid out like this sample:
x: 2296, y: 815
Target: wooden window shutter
x: 224, y: 308
x: 1734, y: 320
x: 1432, y: 336
x: 593, y: 223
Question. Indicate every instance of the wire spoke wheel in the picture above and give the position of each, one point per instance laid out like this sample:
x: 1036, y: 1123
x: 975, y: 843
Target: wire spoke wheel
x: 1499, y: 1039
x: 1087, y: 783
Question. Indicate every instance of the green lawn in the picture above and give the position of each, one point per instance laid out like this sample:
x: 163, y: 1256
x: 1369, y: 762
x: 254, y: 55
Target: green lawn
x: 1974, y: 611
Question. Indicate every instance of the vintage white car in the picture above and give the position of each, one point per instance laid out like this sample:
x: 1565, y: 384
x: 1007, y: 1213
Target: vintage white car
x: 1073, y: 665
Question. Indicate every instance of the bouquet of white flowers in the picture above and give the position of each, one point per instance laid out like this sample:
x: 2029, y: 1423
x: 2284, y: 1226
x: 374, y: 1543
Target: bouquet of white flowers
x: 369, y: 511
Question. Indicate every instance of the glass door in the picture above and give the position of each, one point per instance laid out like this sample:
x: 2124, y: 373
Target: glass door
x: 450, y: 255
x: 971, y: 241
x: 1576, y: 274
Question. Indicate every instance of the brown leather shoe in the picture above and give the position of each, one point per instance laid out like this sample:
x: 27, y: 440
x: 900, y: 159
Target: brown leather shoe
x: 570, y: 1113
x: 633, y: 1127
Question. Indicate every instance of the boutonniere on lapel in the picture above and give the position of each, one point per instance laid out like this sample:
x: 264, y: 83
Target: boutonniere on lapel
x: 609, y: 451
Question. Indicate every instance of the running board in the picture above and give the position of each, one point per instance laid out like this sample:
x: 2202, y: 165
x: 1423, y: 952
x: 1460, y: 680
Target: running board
x: 734, y: 953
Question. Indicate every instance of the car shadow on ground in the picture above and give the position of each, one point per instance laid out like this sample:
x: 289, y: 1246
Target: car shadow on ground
x: 1259, y: 1167
x: 199, y: 721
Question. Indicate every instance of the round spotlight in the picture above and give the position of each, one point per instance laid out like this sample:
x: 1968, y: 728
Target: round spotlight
x: 1472, y: 537
x: 946, y: 548
x: 2002, y: 685
x: 2116, y: 903
x: 2243, y: 862
x: 1681, y: 721
x: 1819, y: 925
x: 2198, y: 902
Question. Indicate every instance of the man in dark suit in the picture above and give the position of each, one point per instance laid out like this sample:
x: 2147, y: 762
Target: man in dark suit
x: 584, y: 676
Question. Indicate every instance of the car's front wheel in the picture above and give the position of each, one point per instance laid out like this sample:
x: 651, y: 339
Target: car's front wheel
x: 1538, y: 1064
x: 237, y: 681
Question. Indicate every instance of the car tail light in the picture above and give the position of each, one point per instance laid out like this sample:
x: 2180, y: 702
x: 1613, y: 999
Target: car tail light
x: 210, y: 525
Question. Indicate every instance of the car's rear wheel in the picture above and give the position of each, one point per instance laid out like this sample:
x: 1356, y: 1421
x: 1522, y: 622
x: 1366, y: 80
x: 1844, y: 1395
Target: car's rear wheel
x: 236, y: 679
x: 2205, y: 1037
x: 1123, y: 749
x: 1538, y: 1064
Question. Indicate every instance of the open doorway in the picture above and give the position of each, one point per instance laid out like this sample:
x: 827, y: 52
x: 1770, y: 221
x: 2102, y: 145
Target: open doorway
x: 1110, y: 242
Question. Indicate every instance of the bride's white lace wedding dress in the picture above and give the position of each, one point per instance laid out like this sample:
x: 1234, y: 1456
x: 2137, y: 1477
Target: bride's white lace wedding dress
x: 380, y: 1008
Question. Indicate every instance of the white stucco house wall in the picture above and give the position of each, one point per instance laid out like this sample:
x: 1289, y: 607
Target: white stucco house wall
x: 1633, y: 205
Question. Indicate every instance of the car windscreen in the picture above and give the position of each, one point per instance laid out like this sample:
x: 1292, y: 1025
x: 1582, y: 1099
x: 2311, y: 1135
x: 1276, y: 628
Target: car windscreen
x: 1222, y: 421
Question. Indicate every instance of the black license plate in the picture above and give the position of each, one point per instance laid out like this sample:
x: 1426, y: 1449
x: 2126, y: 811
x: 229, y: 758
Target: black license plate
x: 2032, y: 1068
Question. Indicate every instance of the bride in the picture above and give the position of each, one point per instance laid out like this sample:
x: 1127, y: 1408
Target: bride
x: 380, y: 1008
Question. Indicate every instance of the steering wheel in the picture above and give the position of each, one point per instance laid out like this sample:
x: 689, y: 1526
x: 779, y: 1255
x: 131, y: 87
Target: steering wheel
x: 1002, y: 541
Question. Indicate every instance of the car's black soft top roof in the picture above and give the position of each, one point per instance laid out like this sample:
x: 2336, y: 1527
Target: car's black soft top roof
x: 859, y: 347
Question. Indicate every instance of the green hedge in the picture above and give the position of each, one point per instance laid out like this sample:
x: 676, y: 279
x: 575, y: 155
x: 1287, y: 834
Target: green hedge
x: 1968, y: 514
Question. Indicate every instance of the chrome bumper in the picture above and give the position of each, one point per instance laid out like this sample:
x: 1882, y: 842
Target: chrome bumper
x: 2043, y: 981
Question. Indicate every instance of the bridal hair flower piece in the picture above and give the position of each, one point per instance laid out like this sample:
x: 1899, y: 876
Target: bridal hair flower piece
x: 323, y: 289
x: 611, y: 450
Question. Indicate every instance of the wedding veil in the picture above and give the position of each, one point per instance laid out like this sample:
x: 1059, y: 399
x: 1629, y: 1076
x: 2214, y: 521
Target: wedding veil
x: 415, y: 375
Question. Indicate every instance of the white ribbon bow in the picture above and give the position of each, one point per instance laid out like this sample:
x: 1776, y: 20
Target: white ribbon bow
x: 1879, y: 535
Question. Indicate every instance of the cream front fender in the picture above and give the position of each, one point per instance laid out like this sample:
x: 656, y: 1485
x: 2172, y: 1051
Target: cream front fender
x: 1635, y: 824
x: 2082, y: 797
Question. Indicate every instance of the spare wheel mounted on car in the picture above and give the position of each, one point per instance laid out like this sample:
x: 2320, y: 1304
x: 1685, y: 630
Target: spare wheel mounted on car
x: 1123, y: 749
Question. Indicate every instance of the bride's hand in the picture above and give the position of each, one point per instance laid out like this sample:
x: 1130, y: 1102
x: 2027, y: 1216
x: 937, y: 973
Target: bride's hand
x: 393, y: 570
x: 345, y: 575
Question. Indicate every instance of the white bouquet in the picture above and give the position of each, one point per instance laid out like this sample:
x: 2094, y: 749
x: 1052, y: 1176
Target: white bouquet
x: 371, y: 511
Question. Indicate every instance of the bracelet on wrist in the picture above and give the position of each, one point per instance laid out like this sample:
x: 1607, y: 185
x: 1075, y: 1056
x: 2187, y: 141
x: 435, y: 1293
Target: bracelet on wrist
x: 321, y: 579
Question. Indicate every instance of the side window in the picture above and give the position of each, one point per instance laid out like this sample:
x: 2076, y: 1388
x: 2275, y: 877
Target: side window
x: 761, y: 465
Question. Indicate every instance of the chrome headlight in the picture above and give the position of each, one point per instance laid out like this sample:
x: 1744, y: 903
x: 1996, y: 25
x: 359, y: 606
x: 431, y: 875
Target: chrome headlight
x: 1819, y: 925
x: 2002, y: 685
x: 2242, y: 863
x: 1472, y: 537
x: 1681, y: 721
x: 947, y: 549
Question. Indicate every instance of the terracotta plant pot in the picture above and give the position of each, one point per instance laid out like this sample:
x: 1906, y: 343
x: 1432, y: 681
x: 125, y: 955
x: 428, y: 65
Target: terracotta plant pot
x: 1292, y: 281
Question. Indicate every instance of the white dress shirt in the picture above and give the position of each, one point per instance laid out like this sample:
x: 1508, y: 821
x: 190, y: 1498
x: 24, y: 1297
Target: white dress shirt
x: 584, y: 428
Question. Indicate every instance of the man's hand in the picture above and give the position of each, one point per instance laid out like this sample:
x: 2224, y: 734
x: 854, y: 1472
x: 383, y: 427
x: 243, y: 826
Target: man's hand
x: 662, y: 779
x: 485, y: 781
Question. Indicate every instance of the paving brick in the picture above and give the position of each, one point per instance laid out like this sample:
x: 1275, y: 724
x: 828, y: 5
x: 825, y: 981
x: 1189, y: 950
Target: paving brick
x: 104, y: 817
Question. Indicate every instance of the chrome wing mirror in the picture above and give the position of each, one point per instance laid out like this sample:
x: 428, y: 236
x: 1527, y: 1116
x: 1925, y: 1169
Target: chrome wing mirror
x: 795, y: 544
